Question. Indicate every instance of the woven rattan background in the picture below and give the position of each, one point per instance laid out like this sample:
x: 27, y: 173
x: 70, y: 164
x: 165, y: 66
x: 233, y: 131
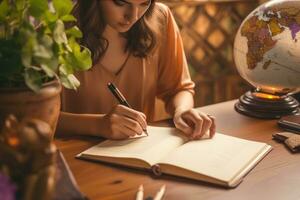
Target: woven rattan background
x: 208, y: 29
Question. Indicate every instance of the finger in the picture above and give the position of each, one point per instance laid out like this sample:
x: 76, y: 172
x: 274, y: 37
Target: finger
x: 134, y: 126
x: 143, y: 115
x: 198, y: 124
x: 118, y: 133
x: 124, y: 129
x: 140, y: 118
x: 183, y: 126
x: 144, y: 121
x: 121, y: 125
x: 133, y: 114
x: 128, y: 131
x: 196, y: 120
x: 212, y: 129
x: 206, y: 124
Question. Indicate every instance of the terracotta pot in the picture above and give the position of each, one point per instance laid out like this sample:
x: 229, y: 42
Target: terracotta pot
x: 22, y: 102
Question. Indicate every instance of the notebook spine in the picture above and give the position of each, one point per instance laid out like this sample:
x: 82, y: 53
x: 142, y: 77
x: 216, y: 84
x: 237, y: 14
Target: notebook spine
x: 156, y: 169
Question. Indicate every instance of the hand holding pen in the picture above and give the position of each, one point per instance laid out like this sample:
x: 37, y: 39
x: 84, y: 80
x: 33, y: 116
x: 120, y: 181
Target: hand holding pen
x: 124, y: 121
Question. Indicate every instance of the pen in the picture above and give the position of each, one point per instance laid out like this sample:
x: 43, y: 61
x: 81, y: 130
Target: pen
x: 159, y: 195
x: 140, y: 193
x: 116, y: 92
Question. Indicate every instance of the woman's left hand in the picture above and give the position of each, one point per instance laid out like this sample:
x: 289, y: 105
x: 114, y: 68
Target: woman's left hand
x: 195, y: 124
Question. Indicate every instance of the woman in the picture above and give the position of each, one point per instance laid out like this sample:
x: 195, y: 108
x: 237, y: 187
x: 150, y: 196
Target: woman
x: 136, y: 45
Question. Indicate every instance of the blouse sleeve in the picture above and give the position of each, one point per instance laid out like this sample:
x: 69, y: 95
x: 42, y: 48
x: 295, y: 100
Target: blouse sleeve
x: 173, y: 73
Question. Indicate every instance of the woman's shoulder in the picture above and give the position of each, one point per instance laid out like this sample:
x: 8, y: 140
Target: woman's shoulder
x: 162, y: 10
x: 159, y: 23
x: 161, y: 6
x: 160, y: 17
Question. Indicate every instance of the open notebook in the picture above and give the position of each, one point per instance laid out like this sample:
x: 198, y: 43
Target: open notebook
x: 222, y: 160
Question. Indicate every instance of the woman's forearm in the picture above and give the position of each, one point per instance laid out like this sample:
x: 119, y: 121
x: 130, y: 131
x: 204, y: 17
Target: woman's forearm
x: 181, y: 101
x: 80, y: 124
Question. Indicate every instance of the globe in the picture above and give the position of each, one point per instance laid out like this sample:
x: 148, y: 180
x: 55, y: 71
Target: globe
x: 267, y: 47
x: 267, y: 55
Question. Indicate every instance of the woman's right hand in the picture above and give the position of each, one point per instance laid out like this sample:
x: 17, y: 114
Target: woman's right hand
x: 122, y: 122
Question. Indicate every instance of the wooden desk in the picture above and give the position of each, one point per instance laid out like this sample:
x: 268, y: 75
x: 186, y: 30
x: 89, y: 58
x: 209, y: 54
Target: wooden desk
x: 277, y: 176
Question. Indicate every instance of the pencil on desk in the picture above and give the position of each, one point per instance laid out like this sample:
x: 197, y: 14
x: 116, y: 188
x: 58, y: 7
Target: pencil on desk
x: 140, y: 193
x: 159, y: 195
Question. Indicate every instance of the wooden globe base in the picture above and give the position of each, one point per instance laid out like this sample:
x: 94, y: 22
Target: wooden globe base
x: 251, y: 105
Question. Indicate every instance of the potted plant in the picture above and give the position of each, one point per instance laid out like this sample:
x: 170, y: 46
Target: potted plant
x: 38, y: 54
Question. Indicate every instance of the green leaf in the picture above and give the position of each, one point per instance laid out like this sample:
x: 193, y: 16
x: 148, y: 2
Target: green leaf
x: 63, y: 7
x: 49, y: 65
x: 33, y: 79
x: 42, y: 51
x: 4, y: 9
x: 68, y: 80
x: 37, y: 8
x: 66, y: 67
x: 50, y: 17
x: 27, y: 52
x: 84, y: 59
x: 48, y: 70
x: 59, y: 34
x: 79, y: 59
x: 20, y: 4
x: 74, y: 32
x: 36, y: 68
x: 46, y: 40
x: 68, y: 18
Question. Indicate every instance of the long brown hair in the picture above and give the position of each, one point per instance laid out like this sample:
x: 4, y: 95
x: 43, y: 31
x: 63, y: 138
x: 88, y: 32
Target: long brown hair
x: 140, y: 38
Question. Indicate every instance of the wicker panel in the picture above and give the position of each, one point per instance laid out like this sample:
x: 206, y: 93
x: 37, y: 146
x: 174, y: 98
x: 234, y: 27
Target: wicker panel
x: 208, y: 30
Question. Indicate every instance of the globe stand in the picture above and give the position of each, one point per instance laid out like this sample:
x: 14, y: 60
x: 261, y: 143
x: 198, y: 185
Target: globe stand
x: 266, y: 106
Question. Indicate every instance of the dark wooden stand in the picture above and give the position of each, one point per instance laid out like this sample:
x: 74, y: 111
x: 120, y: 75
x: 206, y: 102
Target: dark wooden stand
x: 254, y: 106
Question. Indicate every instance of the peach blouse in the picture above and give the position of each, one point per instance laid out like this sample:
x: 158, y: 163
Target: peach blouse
x: 141, y: 80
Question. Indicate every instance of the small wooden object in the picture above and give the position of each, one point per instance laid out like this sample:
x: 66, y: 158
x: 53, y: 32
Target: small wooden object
x: 27, y: 155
